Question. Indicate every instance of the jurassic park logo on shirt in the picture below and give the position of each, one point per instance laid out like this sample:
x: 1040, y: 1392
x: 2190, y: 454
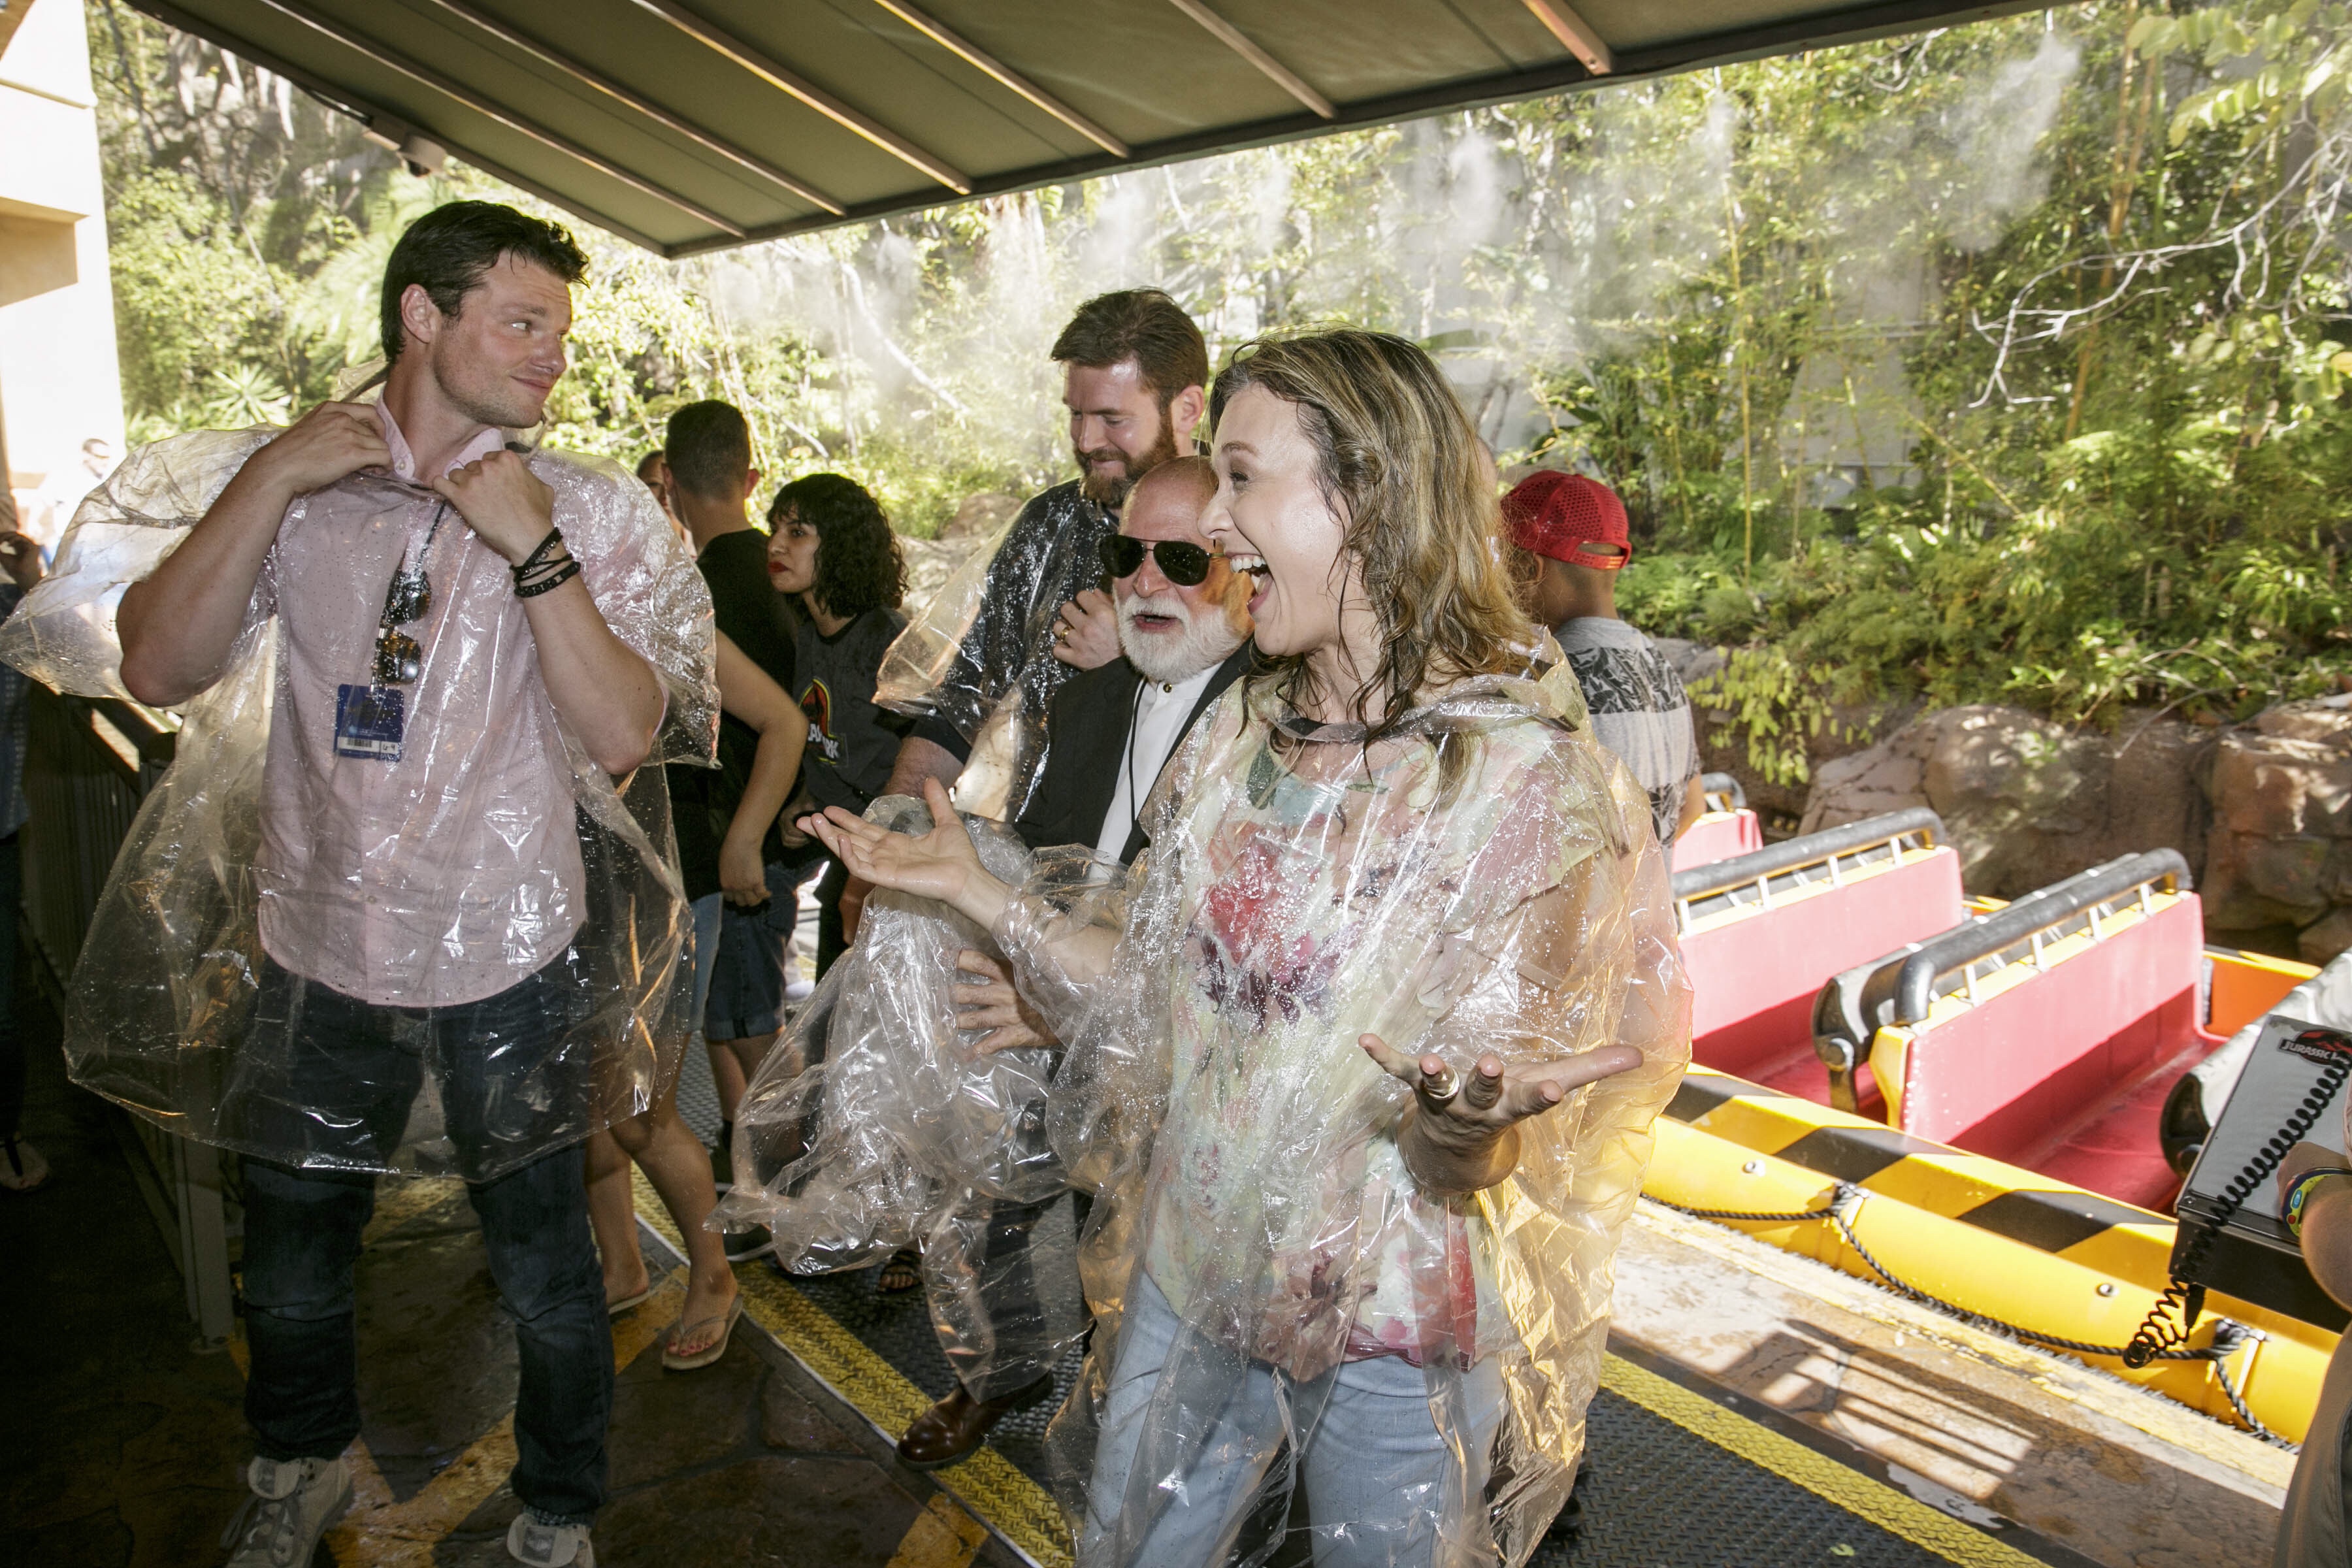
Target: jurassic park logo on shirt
x: 817, y: 703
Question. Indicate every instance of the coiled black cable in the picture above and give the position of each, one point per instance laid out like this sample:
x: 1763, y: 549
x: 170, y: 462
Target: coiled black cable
x: 2158, y: 1333
x: 1846, y: 1199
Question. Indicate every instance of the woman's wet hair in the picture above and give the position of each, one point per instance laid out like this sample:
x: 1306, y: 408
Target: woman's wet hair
x: 859, y: 566
x: 1404, y: 471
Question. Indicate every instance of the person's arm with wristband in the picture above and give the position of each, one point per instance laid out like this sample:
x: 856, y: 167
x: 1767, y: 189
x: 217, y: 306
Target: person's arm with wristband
x: 2315, y: 1185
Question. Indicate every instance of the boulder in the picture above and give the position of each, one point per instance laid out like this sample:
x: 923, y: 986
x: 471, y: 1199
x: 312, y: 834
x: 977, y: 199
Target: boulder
x: 2281, y: 786
x: 2025, y: 801
x: 1888, y: 776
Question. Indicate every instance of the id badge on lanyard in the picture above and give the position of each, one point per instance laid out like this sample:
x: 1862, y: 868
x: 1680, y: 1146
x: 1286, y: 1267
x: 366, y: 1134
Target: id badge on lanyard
x: 369, y: 722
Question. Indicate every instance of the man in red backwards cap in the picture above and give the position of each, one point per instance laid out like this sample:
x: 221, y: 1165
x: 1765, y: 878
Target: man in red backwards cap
x: 1575, y: 528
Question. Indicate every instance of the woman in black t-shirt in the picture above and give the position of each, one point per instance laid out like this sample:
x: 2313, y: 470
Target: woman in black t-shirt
x: 831, y: 547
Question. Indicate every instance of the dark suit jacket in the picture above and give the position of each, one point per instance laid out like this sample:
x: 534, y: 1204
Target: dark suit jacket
x: 1086, y: 742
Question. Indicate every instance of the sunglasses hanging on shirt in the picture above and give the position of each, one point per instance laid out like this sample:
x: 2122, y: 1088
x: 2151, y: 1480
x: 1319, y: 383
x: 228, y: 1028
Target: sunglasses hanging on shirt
x: 409, y: 599
x: 1181, y: 563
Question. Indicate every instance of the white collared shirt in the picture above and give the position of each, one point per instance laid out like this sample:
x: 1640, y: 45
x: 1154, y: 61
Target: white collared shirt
x: 1160, y: 711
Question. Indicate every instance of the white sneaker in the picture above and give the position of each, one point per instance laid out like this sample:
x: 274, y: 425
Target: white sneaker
x: 549, y: 1545
x: 291, y: 1506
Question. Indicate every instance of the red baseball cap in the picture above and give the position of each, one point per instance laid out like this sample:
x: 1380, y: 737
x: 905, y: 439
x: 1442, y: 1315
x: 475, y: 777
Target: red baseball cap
x: 1569, y: 518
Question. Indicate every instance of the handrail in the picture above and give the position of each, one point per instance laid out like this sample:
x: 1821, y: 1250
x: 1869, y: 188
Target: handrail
x: 1899, y: 988
x: 1726, y: 785
x: 1700, y: 881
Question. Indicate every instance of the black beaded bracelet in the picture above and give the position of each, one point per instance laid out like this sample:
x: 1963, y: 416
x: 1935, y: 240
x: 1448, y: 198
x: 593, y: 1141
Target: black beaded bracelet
x: 538, y: 556
x: 549, y: 581
x: 561, y: 574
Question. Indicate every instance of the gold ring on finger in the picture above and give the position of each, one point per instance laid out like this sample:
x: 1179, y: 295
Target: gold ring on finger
x: 1441, y: 1089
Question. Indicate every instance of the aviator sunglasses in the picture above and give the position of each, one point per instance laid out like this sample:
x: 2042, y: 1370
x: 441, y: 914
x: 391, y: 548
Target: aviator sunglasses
x: 409, y: 598
x: 1182, y: 563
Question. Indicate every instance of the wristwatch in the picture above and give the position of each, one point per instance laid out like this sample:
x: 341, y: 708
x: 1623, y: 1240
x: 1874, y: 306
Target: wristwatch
x: 2296, y: 1199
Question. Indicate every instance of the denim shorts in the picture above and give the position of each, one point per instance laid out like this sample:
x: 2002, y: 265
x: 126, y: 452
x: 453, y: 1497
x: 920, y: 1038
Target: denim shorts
x: 743, y: 996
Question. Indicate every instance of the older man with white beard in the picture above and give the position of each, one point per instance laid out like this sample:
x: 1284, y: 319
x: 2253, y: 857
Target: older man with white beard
x: 1183, y: 628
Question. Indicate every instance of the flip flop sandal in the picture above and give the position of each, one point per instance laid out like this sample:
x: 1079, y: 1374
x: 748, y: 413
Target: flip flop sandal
x: 708, y: 1353
x: 614, y: 1308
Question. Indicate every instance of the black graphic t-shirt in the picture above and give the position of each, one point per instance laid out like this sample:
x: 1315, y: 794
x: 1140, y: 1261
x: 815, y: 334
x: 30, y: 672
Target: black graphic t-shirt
x: 851, y: 743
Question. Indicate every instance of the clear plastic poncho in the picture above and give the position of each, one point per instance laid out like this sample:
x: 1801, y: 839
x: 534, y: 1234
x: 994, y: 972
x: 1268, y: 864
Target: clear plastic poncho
x: 488, y: 924
x: 1480, y: 881
x: 980, y: 657
x: 876, y: 1124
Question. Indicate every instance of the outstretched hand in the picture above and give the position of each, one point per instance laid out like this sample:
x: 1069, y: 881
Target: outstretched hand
x: 1465, y: 1137
x: 942, y: 863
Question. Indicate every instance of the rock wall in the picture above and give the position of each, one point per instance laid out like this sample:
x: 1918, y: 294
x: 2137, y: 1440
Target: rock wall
x: 2025, y: 801
x: 2281, y: 854
x: 2261, y: 811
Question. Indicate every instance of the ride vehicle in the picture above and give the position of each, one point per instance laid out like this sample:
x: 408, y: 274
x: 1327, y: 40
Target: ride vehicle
x: 1987, y: 1106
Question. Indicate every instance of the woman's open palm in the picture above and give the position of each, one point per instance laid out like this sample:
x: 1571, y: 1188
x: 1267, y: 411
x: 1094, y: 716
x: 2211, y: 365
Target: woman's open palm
x: 940, y: 864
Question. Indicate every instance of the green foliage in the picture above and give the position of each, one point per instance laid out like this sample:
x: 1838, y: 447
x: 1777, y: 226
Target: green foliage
x: 1764, y: 701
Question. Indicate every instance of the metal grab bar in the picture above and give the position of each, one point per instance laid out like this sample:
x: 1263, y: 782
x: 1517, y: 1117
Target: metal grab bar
x: 1901, y: 987
x: 1726, y: 786
x: 1794, y: 860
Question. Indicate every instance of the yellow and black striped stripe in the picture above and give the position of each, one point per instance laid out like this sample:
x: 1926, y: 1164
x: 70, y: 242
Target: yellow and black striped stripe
x: 1992, y: 1238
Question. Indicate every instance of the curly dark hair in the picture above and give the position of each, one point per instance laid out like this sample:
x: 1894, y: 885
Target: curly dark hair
x: 859, y: 566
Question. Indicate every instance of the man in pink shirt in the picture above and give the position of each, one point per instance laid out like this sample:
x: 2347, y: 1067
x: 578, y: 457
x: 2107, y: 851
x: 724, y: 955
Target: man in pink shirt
x: 463, y: 645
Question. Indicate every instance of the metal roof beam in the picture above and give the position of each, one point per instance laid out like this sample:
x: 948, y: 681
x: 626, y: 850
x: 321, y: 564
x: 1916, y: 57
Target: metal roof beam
x: 393, y: 60
x: 597, y: 82
x: 787, y: 80
x: 978, y: 60
x: 383, y: 121
x: 1575, y: 35
x: 1281, y: 75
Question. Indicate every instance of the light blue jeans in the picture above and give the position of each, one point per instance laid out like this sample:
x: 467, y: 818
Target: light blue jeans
x: 1377, y: 1470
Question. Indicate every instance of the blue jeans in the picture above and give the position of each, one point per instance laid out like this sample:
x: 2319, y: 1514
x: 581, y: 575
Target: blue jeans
x: 359, y: 1063
x: 1377, y: 1471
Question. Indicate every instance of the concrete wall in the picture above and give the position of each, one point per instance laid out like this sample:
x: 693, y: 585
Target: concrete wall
x: 60, y: 386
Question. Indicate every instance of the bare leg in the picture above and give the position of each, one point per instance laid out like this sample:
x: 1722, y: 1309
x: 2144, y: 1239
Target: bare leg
x: 612, y: 1215
x: 728, y: 1076
x: 732, y: 1063
x: 675, y: 1163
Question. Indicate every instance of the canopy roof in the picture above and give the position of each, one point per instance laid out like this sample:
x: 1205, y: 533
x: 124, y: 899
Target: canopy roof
x: 689, y: 125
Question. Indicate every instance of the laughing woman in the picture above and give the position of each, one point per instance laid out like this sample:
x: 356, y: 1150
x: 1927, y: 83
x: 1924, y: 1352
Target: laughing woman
x: 1367, y: 1049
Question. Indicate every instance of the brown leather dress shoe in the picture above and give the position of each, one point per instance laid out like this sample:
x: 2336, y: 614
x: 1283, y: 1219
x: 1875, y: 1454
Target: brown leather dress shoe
x: 957, y: 1425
